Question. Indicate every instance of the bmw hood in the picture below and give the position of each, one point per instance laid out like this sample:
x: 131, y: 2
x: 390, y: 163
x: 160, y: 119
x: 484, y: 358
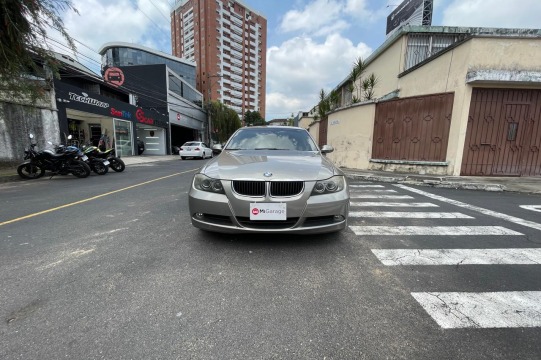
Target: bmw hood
x: 269, y: 165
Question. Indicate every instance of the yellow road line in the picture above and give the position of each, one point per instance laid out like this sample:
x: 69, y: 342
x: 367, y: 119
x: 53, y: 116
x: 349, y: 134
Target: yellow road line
x: 91, y: 198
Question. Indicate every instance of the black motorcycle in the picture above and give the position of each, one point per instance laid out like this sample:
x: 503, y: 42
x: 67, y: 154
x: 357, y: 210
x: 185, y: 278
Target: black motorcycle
x: 37, y: 162
x: 115, y: 163
x: 99, y: 166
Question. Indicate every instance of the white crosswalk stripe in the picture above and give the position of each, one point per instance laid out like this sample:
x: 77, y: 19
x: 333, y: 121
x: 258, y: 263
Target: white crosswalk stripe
x: 356, y: 191
x: 450, y: 310
x: 432, y: 230
x: 395, y: 257
x: 376, y: 196
x: 408, y: 215
x: 391, y: 204
x: 365, y: 186
x: 482, y: 310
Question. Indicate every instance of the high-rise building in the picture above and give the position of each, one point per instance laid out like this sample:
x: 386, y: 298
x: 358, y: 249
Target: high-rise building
x: 228, y: 43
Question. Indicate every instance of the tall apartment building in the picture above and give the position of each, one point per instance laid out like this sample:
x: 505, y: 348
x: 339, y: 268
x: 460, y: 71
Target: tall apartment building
x: 228, y: 43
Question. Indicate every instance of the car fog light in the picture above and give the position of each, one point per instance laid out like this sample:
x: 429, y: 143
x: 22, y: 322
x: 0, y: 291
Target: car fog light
x: 199, y: 215
x: 338, y: 218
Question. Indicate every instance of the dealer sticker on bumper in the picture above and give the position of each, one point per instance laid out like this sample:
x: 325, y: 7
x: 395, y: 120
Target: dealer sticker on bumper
x: 268, y: 211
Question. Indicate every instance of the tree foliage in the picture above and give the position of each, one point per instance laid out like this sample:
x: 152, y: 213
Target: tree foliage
x: 360, y: 87
x: 253, y: 118
x: 224, y: 121
x: 23, y: 39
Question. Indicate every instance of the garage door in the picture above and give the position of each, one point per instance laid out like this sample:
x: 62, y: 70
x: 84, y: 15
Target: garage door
x: 504, y: 133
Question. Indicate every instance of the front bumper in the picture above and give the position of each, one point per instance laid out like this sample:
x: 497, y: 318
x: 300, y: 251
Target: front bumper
x: 306, y: 214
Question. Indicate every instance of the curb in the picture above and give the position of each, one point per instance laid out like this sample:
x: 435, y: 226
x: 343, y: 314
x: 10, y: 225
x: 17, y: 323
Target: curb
x: 430, y: 182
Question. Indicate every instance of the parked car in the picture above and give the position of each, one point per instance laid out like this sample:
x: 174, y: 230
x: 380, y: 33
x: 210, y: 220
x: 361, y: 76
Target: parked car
x: 195, y: 149
x: 270, y: 180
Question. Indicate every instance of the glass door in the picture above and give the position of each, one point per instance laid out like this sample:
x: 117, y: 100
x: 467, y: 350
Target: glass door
x: 123, y: 137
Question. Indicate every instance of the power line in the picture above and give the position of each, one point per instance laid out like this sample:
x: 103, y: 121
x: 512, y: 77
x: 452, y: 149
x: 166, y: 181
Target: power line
x: 165, y: 17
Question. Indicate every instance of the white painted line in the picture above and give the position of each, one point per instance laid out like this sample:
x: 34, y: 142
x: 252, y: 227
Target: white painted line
x: 432, y: 230
x: 511, y: 309
x: 531, y: 207
x: 409, y: 215
x: 495, y: 214
x: 366, y: 186
x: 392, y: 204
x: 361, y: 182
x: 364, y: 191
x: 395, y: 257
x: 375, y: 196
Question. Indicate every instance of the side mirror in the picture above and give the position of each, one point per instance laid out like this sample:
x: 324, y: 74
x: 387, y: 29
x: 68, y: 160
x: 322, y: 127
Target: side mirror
x: 325, y: 149
x: 217, y: 148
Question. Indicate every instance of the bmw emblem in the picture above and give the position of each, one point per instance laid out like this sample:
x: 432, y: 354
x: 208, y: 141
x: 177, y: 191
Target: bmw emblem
x: 267, y: 174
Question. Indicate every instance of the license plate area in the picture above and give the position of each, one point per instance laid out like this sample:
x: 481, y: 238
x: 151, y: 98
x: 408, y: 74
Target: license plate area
x: 268, y: 211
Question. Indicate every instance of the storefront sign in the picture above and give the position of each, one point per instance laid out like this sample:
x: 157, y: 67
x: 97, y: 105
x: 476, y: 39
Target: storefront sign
x: 114, y: 76
x: 140, y: 116
x: 87, y: 100
x: 121, y: 113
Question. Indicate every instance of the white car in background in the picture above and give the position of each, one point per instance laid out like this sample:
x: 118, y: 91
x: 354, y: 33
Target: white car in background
x: 195, y: 149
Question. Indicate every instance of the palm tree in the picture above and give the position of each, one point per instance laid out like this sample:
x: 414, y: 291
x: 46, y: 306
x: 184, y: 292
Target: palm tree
x: 368, y: 86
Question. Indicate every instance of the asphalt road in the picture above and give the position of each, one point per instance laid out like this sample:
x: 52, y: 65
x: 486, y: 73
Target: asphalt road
x: 110, y: 267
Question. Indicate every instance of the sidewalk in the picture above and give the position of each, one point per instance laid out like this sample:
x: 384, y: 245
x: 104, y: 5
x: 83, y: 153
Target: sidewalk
x: 514, y: 184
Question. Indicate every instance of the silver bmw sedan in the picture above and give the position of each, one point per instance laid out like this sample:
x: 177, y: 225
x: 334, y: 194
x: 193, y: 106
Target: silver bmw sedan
x: 270, y: 180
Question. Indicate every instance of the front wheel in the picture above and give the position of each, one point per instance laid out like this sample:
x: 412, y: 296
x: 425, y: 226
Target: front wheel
x: 116, y: 164
x: 100, y: 168
x: 30, y: 171
x: 79, y: 168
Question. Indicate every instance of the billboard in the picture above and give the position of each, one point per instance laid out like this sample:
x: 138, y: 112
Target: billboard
x: 412, y: 12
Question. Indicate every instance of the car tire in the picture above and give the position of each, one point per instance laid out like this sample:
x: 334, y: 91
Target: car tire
x: 183, y: 157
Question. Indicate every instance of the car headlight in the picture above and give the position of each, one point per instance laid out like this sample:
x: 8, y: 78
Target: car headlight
x: 329, y: 186
x: 205, y: 183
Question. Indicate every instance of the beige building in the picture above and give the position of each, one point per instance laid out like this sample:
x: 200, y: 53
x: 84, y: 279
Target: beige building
x: 228, y: 42
x: 453, y: 101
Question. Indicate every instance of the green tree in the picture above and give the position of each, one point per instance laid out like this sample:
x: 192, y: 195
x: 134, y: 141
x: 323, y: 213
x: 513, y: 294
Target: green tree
x: 323, y: 107
x: 224, y: 121
x: 23, y: 49
x: 253, y: 118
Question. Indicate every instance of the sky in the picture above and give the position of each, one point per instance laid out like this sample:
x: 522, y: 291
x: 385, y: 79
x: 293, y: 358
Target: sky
x: 311, y: 44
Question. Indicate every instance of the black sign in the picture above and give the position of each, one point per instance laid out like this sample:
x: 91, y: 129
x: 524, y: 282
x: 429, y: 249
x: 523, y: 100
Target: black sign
x: 402, y: 13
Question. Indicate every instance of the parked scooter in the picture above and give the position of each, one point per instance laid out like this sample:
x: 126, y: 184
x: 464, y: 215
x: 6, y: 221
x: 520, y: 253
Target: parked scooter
x: 36, y: 163
x: 93, y: 152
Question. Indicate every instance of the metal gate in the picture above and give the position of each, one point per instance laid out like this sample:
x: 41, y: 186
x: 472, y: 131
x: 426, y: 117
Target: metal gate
x: 504, y: 133
x: 414, y: 129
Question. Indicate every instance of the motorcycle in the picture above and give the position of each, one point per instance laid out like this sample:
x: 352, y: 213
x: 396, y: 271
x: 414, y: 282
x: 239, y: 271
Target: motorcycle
x: 93, y: 152
x: 37, y: 162
x: 99, y: 166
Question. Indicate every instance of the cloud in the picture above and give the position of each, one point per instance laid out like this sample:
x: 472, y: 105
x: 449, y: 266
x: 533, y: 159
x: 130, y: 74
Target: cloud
x: 314, y: 16
x: 300, y: 67
x: 493, y: 13
x: 102, y: 21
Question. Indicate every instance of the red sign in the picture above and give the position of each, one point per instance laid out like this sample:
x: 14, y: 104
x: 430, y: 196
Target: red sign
x: 114, y: 76
x: 140, y: 116
x: 255, y: 211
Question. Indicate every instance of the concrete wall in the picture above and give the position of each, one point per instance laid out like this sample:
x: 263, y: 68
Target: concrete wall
x: 17, y: 121
x: 314, y: 131
x: 350, y: 133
